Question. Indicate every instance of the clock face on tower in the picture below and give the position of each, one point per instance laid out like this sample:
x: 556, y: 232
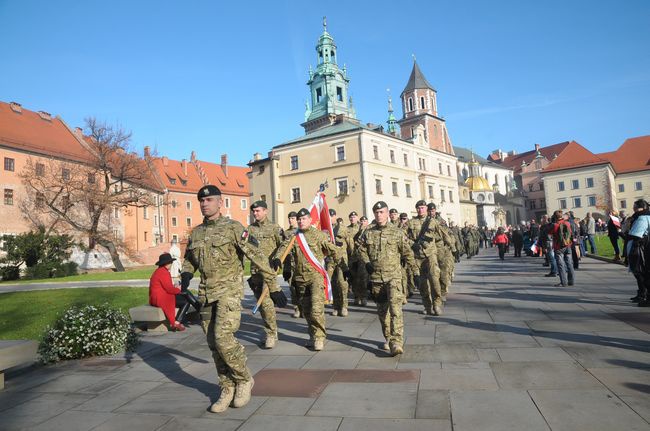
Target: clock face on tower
x: 480, y: 197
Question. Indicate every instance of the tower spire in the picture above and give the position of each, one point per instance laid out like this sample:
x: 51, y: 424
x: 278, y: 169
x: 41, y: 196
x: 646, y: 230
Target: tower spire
x: 392, y: 121
x: 325, y: 24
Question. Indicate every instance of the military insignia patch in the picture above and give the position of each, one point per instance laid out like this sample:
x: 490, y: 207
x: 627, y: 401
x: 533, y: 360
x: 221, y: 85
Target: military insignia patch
x: 244, y: 235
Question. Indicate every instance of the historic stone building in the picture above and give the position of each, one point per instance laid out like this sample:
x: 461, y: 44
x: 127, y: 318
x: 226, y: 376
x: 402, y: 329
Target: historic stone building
x: 360, y: 163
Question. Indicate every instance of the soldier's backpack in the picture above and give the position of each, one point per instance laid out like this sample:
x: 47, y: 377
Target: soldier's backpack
x: 564, y: 235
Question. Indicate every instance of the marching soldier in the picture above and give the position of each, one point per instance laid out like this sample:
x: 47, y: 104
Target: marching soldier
x: 445, y: 247
x: 381, y: 249
x: 287, y: 266
x: 408, y: 275
x: 269, y: 237
x: 427, y: 279
x: 308, y: 253
x: 357, y: 279
x: 394, y: 216
x: 216, y: 249
x: 337, y: 276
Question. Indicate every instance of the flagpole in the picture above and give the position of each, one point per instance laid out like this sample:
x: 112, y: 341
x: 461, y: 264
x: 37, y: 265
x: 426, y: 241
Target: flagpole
x: 265, y: 290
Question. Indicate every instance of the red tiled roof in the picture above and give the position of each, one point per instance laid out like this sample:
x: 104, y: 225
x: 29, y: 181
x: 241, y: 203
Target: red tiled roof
x: 235, y: 183
x: 514, y: 162
x: 572, y: 156
x: 632, y: 156
x: 190, y: 183
x: 29, y: 130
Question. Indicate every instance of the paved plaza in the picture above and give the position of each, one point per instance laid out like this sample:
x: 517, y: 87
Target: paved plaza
x: 511, y: 352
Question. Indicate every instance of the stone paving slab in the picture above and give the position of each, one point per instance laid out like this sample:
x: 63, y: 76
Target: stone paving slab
x: 543, y: 375
x: 141, y: 422
x: 458, y: 379
x: 365, y: 424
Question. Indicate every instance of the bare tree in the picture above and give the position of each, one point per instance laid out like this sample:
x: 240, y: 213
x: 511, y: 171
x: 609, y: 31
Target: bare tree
x: 80, y: 197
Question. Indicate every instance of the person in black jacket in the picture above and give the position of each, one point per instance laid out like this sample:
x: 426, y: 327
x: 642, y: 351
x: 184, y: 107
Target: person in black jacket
x: 612, y: 233
x: 517, y: 240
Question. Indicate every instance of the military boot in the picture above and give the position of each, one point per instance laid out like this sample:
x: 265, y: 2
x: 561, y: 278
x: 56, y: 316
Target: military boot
x: 226, y: 397
x: 310, y: 342
x: 269, y: 343
x: 385, y: 346
x: 335, y: 312
x: 344, y: 312
x: 296, y: 313
x: 437, y: 310
x: 396, y: 349
x: 243, y: 393
x: 318, y: 345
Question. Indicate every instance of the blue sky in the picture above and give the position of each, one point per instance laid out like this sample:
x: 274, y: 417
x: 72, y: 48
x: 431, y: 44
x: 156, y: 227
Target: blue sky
x: 229, y: 77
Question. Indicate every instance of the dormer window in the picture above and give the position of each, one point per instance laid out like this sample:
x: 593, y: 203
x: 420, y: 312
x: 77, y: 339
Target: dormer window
x: 319, y: 94
x: 172, y: 181
x: 339, y: 94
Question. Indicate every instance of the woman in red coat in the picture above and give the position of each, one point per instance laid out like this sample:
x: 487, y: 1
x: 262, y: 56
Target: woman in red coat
x: 501, y: 241
x: 162, y: 292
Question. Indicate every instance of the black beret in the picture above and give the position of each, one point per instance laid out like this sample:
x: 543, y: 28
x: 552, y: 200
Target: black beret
x: 393, y: 211
x: 208, y: 190
x: 292, y: 214
x: 379, y: 205
x: 404, y: 216
x: 431, y: 206
x: 363, y: 218
x: 353, y: 213
x: 332, y: 212
x: 420, y: 203
x: 258, y: 204
x: 303, y: 212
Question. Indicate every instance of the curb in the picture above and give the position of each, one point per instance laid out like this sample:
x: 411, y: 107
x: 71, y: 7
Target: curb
x: 604, y: 259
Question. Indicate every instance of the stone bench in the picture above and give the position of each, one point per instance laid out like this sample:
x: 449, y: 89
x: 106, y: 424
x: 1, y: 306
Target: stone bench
x: 15, y: 352
x: 149, y: 318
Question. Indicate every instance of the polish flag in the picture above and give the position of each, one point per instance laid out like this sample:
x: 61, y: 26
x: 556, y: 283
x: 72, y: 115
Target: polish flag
x: 320, y: 215
x: 534, y: 248
x: 615, y: 220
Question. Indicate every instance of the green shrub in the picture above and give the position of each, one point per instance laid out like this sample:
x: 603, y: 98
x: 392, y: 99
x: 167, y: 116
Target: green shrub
x: 43, y: 254
x: 88, y: 331
x: 10, y: 273
x: 51, y: 270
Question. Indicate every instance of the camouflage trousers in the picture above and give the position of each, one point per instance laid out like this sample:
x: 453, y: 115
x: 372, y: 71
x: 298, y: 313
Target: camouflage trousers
x: 296, y: 294
x: 388, y: 296
x: 359, y: 282
x: 313, y: 304
x: 446, y: 265
x: 339, y: 290
x: 220, y: 320
x: 430, y: 283
x: 267, y: 308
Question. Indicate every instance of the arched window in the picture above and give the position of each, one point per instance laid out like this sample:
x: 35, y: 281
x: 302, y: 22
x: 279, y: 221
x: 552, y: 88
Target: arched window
x: 410, y: 103
x: 422, y: 103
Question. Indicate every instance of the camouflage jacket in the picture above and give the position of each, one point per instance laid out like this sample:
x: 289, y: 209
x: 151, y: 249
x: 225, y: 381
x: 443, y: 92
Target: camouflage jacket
x: 319, y: 244
x: 216, y: 249
x: 268, y: 236
x: 385, y: 247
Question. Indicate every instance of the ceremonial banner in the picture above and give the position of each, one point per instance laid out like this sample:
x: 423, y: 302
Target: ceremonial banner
x: 315, y: 263
x: 320, y: 215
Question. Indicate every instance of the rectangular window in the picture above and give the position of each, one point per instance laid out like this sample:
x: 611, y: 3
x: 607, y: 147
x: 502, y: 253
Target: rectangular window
x: 430, y: 192
x: 174, y: 222
x: 442, y: 195
x: 294, y: 163
x: 295, y: 194
x: 451, y: 196
x: 261, y: 169
x: 244, y: 204
x: 392, y: 156
x: 155, y: 220
x: 621, y: 188
x: 116, y: 212
x: 175, y: 237
x: 532, y: 205
x: 542, y: 203
x: 449, y: 170
x: 440, y: 168
x: 375, y: 152
x: 342, y: 187
x: 145, y: 212
x: 9, y: 196
x: 530, y: 187
x: 406, y: 159
x: 340, y: 153
x: 591, y: 200
x: 65, y: 173
x: 188, y: 221
x: 623, y: 204
x: 9, y: 164
x: 408, y: 190
x: 226, y: 202
x: 562, y: 204
x: 339, y: 94
x: 394, y: 185
x: 162, y: 221
x: 560, y: 186
x: 577, y: 202
x: 590, y: 182
x: 638, y: 186
x: 541, y: 186
x: 378, y: 186
x: 188, y: 205
x: 575, y: 184
x: 40, y: 169
x: 146, y: 234
x: 422, y: 164
x: 319, y: 94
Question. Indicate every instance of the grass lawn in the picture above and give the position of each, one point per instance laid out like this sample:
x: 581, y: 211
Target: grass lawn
x: 604, y: 246
x: 24, y: 315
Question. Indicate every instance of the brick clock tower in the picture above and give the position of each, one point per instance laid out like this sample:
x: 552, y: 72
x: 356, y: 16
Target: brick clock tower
x: 420, y: 107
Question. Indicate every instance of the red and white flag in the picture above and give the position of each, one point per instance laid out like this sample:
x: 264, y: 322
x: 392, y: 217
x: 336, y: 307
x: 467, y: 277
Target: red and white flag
x: 615, y: 220
x: 320, y: 215
x: 534, y: 248
x: 315, y: 263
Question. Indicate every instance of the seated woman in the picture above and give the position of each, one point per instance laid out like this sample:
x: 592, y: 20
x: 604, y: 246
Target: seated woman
x: 162, y: 292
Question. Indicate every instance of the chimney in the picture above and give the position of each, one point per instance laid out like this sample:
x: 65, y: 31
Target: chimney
x: 536, y: 147
x: 79, y: 132
x: 147, y: 151
x: 184, y: 166
x: 16, y: 107
x: 193, y: 157
x: 224, y: 164
x: 165, y: 161
x: 257, y: 156
x: 45, y: 115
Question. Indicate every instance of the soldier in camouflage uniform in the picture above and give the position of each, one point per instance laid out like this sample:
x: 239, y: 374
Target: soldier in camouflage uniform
x: 394, y: 217
x: 427, y: 277
x: 269, y: 236
x: 381, y: 249
x: 445, y: 248
x: 287, y: 268
x: 468, y: 238
x: 216, y: 249
x: 308, y: 278
x: 408, y: 274
x: 335, y: 269
x: 357, y: 279
x: 458, y: 238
